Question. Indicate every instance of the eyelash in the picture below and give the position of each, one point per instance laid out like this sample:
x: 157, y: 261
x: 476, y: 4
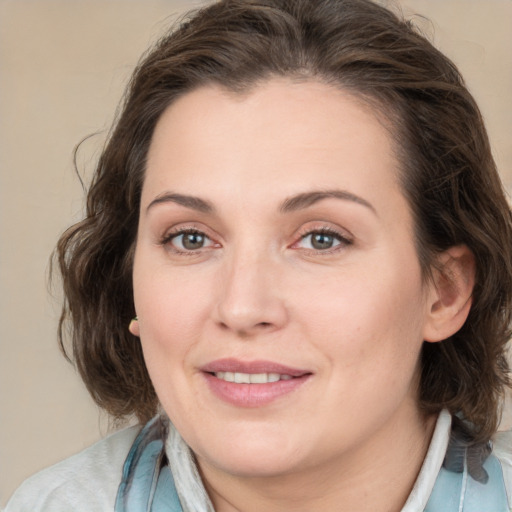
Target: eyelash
x: 167, y: 240
x: 344, y: 241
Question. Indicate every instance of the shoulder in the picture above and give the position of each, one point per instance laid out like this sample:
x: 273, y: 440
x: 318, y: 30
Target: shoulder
x: 86, y: 481
x: 503, y: 451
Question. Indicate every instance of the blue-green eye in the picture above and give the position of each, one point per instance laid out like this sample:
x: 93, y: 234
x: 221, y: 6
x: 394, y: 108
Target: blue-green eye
x: 188, y: 240
x: 322, y: 240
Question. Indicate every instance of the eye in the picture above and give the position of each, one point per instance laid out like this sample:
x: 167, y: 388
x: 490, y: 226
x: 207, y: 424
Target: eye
x: 187, y: 240
x: 322, y: 240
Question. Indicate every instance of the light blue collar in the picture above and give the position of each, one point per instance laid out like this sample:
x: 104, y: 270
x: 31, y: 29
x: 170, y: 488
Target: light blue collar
x: 147, y: 484
x: 471, y: 479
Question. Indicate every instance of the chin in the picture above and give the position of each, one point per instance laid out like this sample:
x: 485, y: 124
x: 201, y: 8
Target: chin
x: 249, y: 455
x: 248, y: 464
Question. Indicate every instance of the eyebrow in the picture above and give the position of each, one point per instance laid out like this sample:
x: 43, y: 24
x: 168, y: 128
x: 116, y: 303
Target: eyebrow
x: 306, y: 199
x: 291, y: 204
x: 192, y: 202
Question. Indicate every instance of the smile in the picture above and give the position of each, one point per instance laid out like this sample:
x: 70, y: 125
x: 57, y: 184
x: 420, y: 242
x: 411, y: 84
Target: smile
x: 251, y: 378
x: 252, y: 384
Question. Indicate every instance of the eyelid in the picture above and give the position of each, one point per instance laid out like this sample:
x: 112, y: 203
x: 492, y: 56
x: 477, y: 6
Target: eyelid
x: 174, y: 232
x: 343, y: 236
x: 169, y: 235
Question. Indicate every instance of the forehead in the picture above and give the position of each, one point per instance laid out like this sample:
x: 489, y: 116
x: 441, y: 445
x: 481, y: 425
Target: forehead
x: 281, y: 136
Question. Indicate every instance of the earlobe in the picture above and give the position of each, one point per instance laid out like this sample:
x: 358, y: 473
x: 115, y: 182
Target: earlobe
x: 450, y: 294
x: 134, y: 327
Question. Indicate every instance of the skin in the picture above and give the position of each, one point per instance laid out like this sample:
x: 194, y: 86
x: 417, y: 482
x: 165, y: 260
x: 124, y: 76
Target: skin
x: 355, y: 315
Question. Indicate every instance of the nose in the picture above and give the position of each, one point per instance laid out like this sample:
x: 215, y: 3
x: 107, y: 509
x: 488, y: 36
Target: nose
x: 249, y: 299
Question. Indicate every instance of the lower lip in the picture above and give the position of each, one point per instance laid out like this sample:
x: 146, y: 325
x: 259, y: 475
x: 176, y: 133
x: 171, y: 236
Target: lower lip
x: 252, y: 395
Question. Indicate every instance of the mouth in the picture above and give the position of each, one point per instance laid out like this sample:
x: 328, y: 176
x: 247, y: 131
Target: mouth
x: 252, y: 384
x: 251, y: 378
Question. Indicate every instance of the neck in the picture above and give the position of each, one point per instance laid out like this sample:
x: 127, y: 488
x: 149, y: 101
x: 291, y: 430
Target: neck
x: 383, y: 470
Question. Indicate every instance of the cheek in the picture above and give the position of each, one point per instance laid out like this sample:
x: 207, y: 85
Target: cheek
x: 171, y: 312
x: 171, y: 308
x: 367, y: 316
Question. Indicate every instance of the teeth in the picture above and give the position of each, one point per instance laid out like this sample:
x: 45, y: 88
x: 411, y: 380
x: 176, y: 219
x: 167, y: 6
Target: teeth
x: 251, y: 378
x: 242, y: 378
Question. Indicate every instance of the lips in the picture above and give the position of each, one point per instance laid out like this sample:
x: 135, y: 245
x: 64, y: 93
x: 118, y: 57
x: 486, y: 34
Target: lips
x: 251, y: 367
x: 254, y: 383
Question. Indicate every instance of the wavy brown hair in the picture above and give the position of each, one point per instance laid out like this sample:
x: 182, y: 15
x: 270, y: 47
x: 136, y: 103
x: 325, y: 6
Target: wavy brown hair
x: 447, y: 174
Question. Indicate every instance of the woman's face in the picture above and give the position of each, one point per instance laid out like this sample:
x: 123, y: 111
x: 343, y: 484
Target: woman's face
x: 275, y: 248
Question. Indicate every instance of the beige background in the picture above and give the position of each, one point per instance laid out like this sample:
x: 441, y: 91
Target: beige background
x: 63, y: 64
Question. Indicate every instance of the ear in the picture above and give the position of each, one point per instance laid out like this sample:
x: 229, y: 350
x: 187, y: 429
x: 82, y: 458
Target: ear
x: 450, y: 292
x: 134, y: 327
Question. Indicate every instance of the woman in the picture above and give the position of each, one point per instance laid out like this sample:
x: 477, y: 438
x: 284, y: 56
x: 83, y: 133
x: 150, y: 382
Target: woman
x: 296, y: 270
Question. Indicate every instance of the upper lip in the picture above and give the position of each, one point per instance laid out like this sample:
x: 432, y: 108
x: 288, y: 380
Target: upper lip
x: 259, y: 366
